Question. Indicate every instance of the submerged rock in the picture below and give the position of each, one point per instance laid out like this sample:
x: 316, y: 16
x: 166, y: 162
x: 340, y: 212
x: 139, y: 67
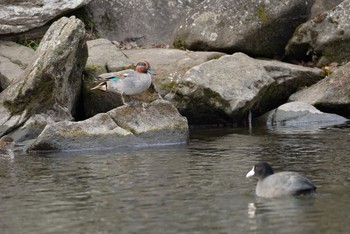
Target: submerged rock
x: 300, y: 114
x: 158, y: 123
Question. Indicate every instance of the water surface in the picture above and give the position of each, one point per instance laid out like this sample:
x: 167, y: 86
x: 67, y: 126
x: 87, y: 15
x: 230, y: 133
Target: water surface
x: 195, y: 188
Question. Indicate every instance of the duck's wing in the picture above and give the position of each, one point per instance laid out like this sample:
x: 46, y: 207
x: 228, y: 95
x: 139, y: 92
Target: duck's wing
x: 108, y: 76
x: 114, y: 75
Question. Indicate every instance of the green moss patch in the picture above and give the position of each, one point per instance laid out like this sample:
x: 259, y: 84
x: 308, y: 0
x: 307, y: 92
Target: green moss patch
x: 34, y: 100
x: 261, y: 11
x: 179, y: 44
x: 31, y: 43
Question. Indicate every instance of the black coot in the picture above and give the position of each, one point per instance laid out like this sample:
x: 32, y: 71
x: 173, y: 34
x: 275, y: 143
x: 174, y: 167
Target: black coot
x: 272, y: 184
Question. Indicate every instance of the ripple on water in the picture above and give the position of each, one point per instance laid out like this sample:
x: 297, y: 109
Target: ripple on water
x: 199, y: 188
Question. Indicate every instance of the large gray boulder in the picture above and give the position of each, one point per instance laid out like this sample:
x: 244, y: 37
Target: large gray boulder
x: 331, y: 94
x: 52, y: 82
x: 323, y: 39
x: 14, y: 59
x: 257, y: 28
x: 225, y: 90
x: 127, y: 126
x: 300, y: 114
x: 146, y: 22
x: 23, y: 15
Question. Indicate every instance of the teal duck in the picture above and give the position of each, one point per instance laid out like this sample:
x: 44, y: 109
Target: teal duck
x: 130, y: 83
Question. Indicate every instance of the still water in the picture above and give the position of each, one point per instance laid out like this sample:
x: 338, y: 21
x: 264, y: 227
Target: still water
x: 195, y: 188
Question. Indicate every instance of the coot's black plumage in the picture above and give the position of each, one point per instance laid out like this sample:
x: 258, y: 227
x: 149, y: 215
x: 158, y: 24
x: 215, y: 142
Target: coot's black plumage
x: 272, y: 184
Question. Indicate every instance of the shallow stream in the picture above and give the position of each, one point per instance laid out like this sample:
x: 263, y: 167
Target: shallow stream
x: 195, y: 188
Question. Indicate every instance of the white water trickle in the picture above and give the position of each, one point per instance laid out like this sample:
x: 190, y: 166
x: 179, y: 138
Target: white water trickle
x: 250, y: 121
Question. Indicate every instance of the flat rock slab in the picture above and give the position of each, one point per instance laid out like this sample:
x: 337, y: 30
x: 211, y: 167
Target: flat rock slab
x: 106, y: 56
x: 21, y: 16
x: 159, y: 123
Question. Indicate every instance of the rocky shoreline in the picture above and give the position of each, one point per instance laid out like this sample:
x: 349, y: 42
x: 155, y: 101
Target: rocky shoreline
x: 47, y: 104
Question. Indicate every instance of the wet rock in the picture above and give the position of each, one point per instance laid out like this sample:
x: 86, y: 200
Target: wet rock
x: 32, y: 128
x: 158, y: 123
x: 52, y: 82
x: 257, y: 28
x: 223, y: 91
x: 300, y: 114
x: 14, y: 58
x: 330, y: 94
x: 97, y: 132
x: 23, y: 15
x: 323, y: 39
